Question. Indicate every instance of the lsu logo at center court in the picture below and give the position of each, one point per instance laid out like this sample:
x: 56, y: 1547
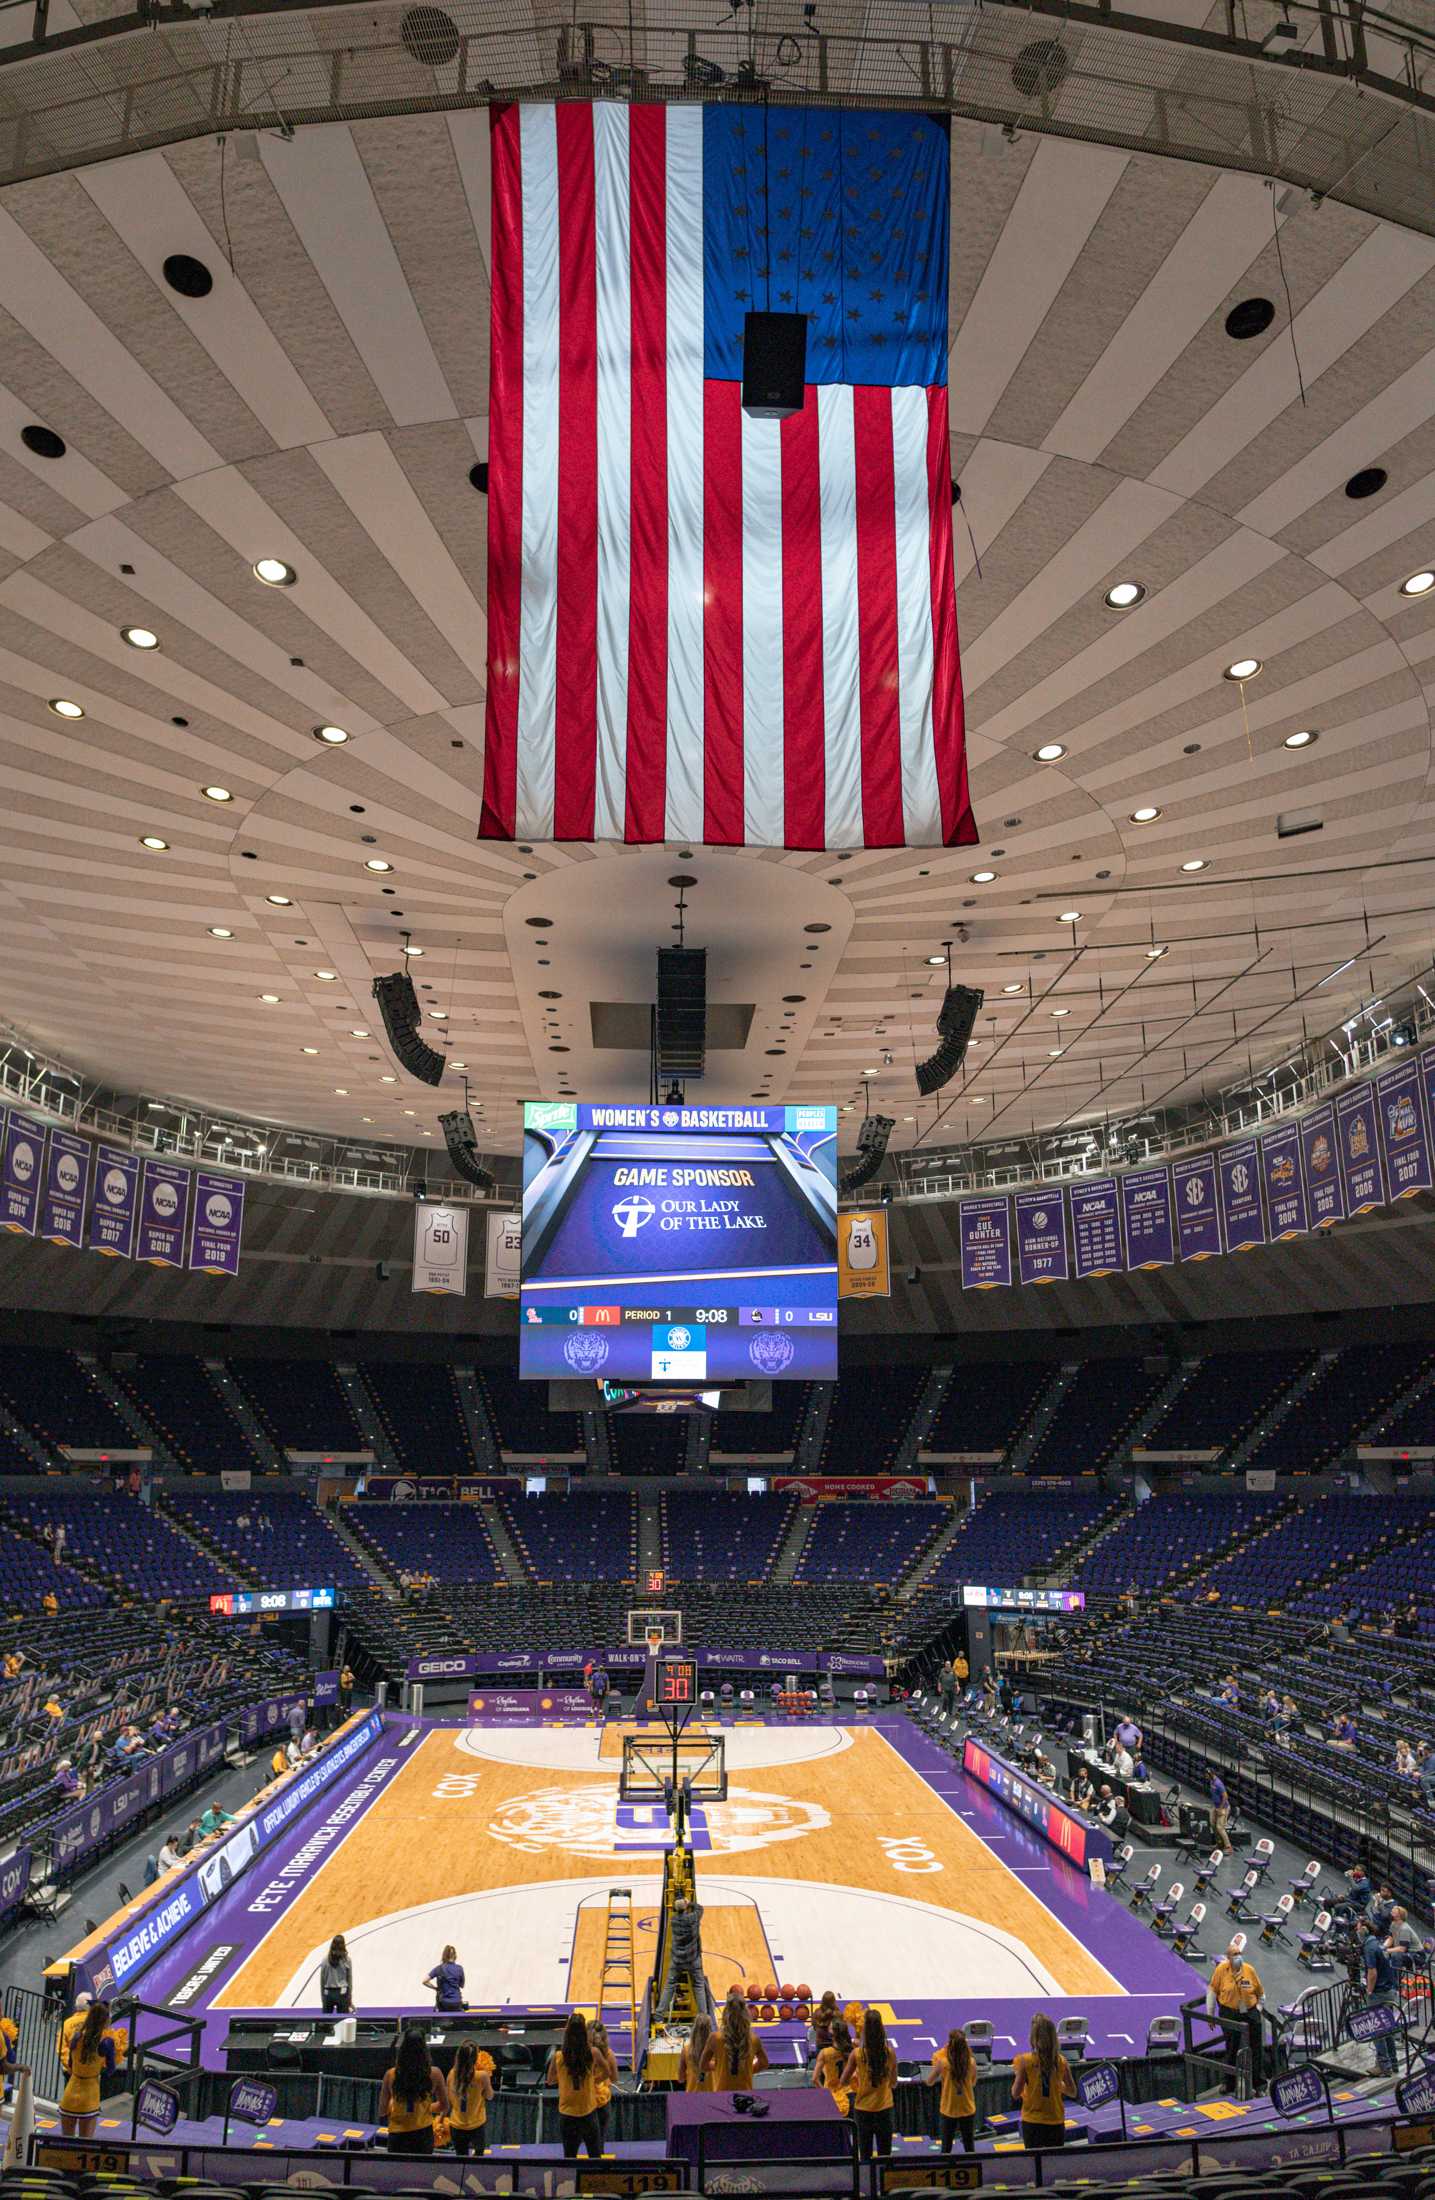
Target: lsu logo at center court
x: 592, y: 1822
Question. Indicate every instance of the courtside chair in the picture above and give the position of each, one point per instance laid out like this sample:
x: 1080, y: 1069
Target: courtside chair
x: 980, y: 2035
x: 1274, y: 1923
x: 1261, y: 1858
x: 1183, y: 1940
x: 1207, y: 1872
x: 1303, y: 1888
x: 1240, y: 1898
x: 1072, y: 2035
x: 1120, y: 1864
x: 1163, y: 1913
x: 1163, y: 2036
x: 1144, y: 1890
x: 1314, y: 1950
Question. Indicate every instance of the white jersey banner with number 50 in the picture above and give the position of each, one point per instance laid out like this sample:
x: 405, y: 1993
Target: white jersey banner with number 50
x: 440, y: 1248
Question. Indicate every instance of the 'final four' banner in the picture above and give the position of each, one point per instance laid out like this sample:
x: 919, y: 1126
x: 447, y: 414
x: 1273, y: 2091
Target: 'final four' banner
x: 1359, y: 1143
x: 67, y: 1179
x: 164, y: 1204
x: 986, y: 1244
x: 1146, y: 1211
x: 21, y: 1171
x: 1325, y: 1195
x: 112, y: 1210
x: 1403, y: 1132
x: 1285, y: 1186
x: 1041, y: 1236
x: 216, y: 1223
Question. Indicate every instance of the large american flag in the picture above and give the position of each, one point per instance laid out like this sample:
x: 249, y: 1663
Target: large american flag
x: 704, y: 626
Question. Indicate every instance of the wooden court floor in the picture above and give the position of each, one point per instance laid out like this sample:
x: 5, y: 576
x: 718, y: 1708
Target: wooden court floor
x: 838, y: 1842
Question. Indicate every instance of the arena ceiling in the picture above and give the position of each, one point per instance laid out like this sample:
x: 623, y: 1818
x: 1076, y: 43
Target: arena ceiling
x: 324, y: 405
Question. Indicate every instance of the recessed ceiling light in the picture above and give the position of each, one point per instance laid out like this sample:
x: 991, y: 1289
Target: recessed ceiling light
x: 216, y: 794
x: 1154, y: 953
x: 326, y: 977
x: 460, y: 1065
x: 1061, y: 1012
x: 139, y: 637
x: 936, y: 961
x: 1146, y: 815
x: 1124, y: 594
x: 1054, y: 1052
x: 1016, y: 988
x: 1419, y: 584
x: 439, y: 1015
x: 342, y: 1091
x: 411, y: 1111
x: 273, y: 572
x: 1194, y: 863
x: 1069, y: 916
x: 280, y: 901
x: 334, y: 735
x: 388, y: 1080
x: 308, y: 1050
x: 62, y: 706
x: 975, y: 1099
x: 1049, y: 752
x: 152, y: 840
x: 412, y: 950
x: 1301, y: 739
x: 271, y: 998
x: 356, y: 1033
x: 983, y: 878
x: 220, y: 932
x: 376, y: 863
x: 1244, y: 668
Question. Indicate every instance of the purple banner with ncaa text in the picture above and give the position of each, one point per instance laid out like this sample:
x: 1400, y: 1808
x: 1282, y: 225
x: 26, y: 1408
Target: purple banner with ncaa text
x: 216, y: 1223
x: 21, y: 1171
x: 1146, y: 1212
x: 67, y: 1179
x: 164, y: 1205
x: 112, y: 1210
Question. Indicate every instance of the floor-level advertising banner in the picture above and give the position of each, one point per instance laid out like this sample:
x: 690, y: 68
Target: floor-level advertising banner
x: 503, y: 1260
x: 22, y: 1160
x: 440, y: 1249
x: 1284, y: 1183
x: 985, y: 1226
x: 67, y: 1179
x: 1041, y: 1248
x: 1325, y: 1193
x: 864, y: 1266
x: 1096, y: 1229
x: 1404, y: 1130
x: 1146, y: 1212
x: 1359, y: 1141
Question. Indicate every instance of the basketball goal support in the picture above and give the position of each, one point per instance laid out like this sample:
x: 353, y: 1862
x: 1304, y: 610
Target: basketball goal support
x: 675, y: 1770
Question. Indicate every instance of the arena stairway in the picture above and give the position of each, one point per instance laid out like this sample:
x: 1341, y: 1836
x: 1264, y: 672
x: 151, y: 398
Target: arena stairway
x: 361, y: 1552
x: 789, y: 1551
x: 481, y: 1433
x: 143, y: 1430
x: 506, y: 1550
x: 1056, y: 1575
x: 1041, y: 1416
x: 227, y: 1566
x: 1281, y: 1411
x: 361, y: 1405
x: 255, y: 1432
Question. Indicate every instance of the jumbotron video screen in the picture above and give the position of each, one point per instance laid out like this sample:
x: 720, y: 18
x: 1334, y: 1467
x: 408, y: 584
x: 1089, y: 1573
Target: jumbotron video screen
x: 679, y: 1244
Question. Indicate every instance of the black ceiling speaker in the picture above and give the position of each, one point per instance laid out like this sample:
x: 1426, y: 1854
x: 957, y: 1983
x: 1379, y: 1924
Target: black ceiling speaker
x: 774, y: 364
x: 871, y: 1152
x: 458, y: 1136
x: 399, y: 1007
x: 955, y: 1019
x: 682, y: 1026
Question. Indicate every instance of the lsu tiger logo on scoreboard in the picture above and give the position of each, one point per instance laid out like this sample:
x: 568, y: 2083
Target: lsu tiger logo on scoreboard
x: 864, y: 1269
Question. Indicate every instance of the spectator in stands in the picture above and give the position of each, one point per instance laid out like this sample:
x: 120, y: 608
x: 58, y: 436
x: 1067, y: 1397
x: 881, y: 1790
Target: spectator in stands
x: 49, y: 1604
x: 1230, y: 1692
x: 1271, y: 1707
x: 470, y: 2091
x: 68, y: 1781
x: 1344, y: 1731
x: 954, y: 2068
x: 1220, y: 1814
x: 446, y: 1979
x: 131, y: 1745
x: 1404, y: 1761
x: 14, y: 1660
x: 690, y: 2058
x: 170, y: 1724
x: 574, y: 2069
x: 871, y: 2072
x: 336, y: 1979
x: 1290, y: 1712
x: 1380, y: 1993
x: 1041, y: 2085
x: 1233, y: 1998
x: 412, y: 2095
x: 1401, y: 1938
x: 213, y: 1820
x: 1425, y: 1771
x: 54, y: 1709
x: 1361, y: 1892
x: 170, y: 1854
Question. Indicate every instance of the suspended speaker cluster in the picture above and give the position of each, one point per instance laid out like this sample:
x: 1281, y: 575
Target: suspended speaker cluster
x: 399, y: 1007
x: 871, y: 1152
x: 955, y: 1019
x: 458, y: 1136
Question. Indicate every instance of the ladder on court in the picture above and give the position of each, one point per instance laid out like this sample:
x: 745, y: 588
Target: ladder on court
x: 617, y: 1986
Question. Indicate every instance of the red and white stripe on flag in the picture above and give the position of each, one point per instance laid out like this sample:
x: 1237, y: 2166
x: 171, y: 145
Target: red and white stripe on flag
x: 701, y: 626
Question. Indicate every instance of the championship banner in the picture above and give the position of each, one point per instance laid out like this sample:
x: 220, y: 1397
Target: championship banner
x: 1359, y: 1144
x: 1239, y: 1180
x: 440, y: 1249
x: 112, y: 1210
x: 1041, y: 1237
x: 21, y: 1172
x: 504, y: 1256
x: 1284, y: 1183
x: 1325, y: 1194
x: 67, y: 1179
x: 984, y: 1227
x: 1146, y: 1212
x: 1404, y: 1132
x: 1198, y: 1221
x: 216, y: 1223
x: 864, y: 1262
x: 1096, y: 1229
x: 164, y: 1210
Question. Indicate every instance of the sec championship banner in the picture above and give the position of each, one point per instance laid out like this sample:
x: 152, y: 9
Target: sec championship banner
x: 440, y: 1249
x: 504, y: 1259
x: 20, y: 1172
x: 67, y: 1178
x: 864, y: 1265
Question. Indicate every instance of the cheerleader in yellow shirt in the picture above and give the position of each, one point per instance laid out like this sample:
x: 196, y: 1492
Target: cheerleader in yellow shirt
x: 954, y: 2069
x: 832, y: 2061
x: 84, y: 2054
x: 470, y: 2089
x: 871, y: 2072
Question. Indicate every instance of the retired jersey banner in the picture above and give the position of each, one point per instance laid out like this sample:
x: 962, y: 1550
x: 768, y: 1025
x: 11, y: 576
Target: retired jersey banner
x: 67, y: 1178
x: 1284, y: 1183
x: 1404, y: 1135
x: 1096, y: 1229
x: 1041, y: 1236
x: 705, y: 625
x: 440, y: 1249
x: 112, y: 1210
x: 985, y: 1229
x: 21, y: 1172
x: 216, y: 1223
x: 1146, y: 1212
x: 864, y: 1265
x: 1325, y: 1194
x: 1359, y: 1141
x: 503, y: 1256
x: 164, y: 1211
x: 1239, y: 1179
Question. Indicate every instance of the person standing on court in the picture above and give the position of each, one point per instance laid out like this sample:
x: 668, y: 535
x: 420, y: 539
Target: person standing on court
x: 85, y: 2052
x: 412, y: 2095
x: 871, y: 2072
x: 954, y: 2068
x: 733, y: 2056
x: 832, y: 2061
x: 1380, y: 1993
x: 336, y: 1979
x: 605, y: 2069
x: 446, y: 1979
x: 1042, y: 2084
x: 1233, y: 1998
x: 469, y: 2092
x: 1220, y: 1814
x: 690, y: 2060
x: 947, y: 1686
x: 598, y: 1686
x: 573, y: 2068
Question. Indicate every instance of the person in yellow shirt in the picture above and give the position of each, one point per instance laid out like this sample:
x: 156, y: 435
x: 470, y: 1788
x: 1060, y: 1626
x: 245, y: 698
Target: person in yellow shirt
x: 1234, y: 1994
x: 575, y: 2069
x: 50, y: 1603
x: 278, y: 1763
x: 9, y: 2051
x: 690, y: 2061
x: 871, y: 2072
x: 1042, y: 2083
x: 963, y: 1673
x: 954, y: 2069
x: 14, y: 1659
x: 413, y: 2096
x: 603, y: 2082
x: 832, y: 2061
x: 85, y: 2054
x: 470, y: 2089
x: 733, y: 2056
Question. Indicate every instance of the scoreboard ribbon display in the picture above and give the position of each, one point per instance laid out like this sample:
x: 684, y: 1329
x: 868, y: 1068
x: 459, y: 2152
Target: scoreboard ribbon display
x: 667, y: 1244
